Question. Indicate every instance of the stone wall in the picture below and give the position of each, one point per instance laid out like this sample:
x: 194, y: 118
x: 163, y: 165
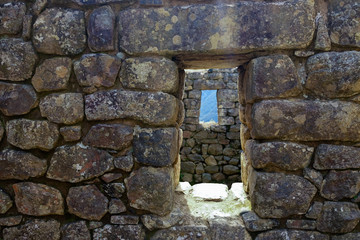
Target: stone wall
x: 90, y: 101
x: 210, y: 152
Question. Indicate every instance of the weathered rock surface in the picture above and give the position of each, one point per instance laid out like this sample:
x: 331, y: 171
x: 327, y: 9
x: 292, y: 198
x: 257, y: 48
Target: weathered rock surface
x: 153, y: 221
x: 336, y: 157
x: 254, y: 223
x: 75, y: 230
x: 344, y: 29
x: 11, y: 17
x: 53, y: 74
x: 110, y: 177
x: 11, y: 221
x: 78, y: 163
x: 38, y: 199
x: 284, y: 234
x: 66, y: 108
x: 95, y: 2
x: 114, y: 190
x: 213, y: 28
x: 94, y: 71
x: 340, y: 184
x: 157, y: 147
x: 349, y: 236
x: 116, y: 206
x: 28, y: 134
x: 338, y: 217
x: 314, y: 210
x: 152, y: 108
x: 227, y: 95
x: 151, y: 189
x: 303, y: 224
x: 60, y: 31
x: 2, y: 130
x: 199, y: 232
x: 112, y: 136
x: 124, y: 163
x: 125, y: 219
x: 20, y: 165
x: 271, y: 77
x: 87, y: 202
x: 5, y: 202
x: 150, y: 74
x: 71, y: 133
x: 323, y: 41
x: 227, y: 228
x: 315, y: 177
x: 277, y: 195
x: 34, y: 229
x: 305, y: 120
x: 334, y: 74
x: 17, y: 59
x: 278, y: 155
x: 16, y: 99
x: 38, y: 6
x: 133, y: 232
x: 100, y: 29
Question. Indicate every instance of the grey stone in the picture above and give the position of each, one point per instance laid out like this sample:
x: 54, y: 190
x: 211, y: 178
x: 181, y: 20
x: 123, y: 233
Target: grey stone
x: 114, y: 190
x: 153, y: 221
x: 113, y: 232
x: 215, y: 149
x: 5, y: 202
x: 230, y: 169
x: 116, y: 206
x: 322, y: 41
x: 301, y: 224
x: 26, y: 31
x: 284, y: 234
x: 227, y: 228
x: 125, y: 219
x: 349, y: 236
x: 199, y: 232
x: 208, y: 84
x: 38, y: 6
x: 315, y: 210
x: 124, y: 163
x: 110, y: 177
x: 11, y: 17
x: 188, y: 167
x: 11, y: 221
x: 71, y: 133
x: 254, y: 223
x: 313, y: 176
x: 75, y: 230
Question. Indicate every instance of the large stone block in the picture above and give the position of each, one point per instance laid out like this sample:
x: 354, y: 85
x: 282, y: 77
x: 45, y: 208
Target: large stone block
x: 11, y: 17
x: 151, y: 108
x: 278, y: 155
x: 17, y: 59
x: 277, y: 195
x: 60, y: 31
x: 334, y: 74
x: 305, y: 120
x: 151, y: 189
x: 227, y: 95
x: 227, y: 228
x: 151, y: 74
x: 133, y: 232
x: 271, y: 77
x: 292, y: 234
x: 75, y: 230
x: 5, y: 202
x: 217, y: 29
x: 199, y: 232
x: 254, y: 223
x: 157, y: 147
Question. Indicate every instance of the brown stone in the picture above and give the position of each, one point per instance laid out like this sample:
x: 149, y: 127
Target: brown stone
x: 254, y: 223
x: 338, y: 217
x: 11, y: 221
x: 75, y: 230
x: 5, y: 202
x: 71, y: 133
x: 340, y: 184
x: 106, y: 105
x: 78, y: 163
x: 153, y: 221
x: 208, y: 84
x: 198, y: 232
x: 313, y: 176
x: 53, y: 74
x: 110, y: 177
x: 34, y: 229
x: 227, y: 228
x: 230, y: 169
x: 38, y: 6
x: 87, y: 202
x: 60, y: 31
x: 66, y: 108
x: 323, y: 41
x: 111, y: 136
x: 100, y: 29
x: 133, y: 232
x: 124, y: 163
x: 95, y: 71
x: 314, y: 210
x: 26, y: 30
x: 150, y: 74
x: 17, y: 59
x: 246, y: 169
x: 277, y: 195
x: 301, y: 224
x: 215, y: 149
x: 114, y: 190
x: 188, y: 167
x: 20, y: 165
x: 278, y: 155
x: 271, y: 77
x: 116, y: 206
x: 227, y: 95
x: 151, y: 189
x: 125, y: 219
x: 291, y: 234
x: 11, y: 16
x: 305, y: 120
x: 349, y: 236
x: 28, y: 134
x: 38, y: 199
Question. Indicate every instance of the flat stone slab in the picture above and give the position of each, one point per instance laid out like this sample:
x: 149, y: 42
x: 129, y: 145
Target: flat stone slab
x: 210, y: 191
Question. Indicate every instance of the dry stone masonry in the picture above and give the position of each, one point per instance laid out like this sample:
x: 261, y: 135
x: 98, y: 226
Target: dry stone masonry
x: 93, y: 97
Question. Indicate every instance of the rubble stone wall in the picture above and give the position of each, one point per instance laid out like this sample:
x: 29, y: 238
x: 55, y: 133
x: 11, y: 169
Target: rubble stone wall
x: 91, y: 108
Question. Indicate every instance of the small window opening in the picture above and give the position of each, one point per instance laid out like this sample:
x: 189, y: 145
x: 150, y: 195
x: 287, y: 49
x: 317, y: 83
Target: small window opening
x: 208, y: 108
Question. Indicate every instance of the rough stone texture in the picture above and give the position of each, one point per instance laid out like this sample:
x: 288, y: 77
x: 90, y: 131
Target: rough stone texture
x: 38, y: 199
x: 16, y: 99
x: 100, y: 29
x: 53, y: 74
x: 28, y: 134
x: 114, y: 190
x: 125, y: 219
x: 213, y: 28
x: 254, y: 223
x: 323, y: 41
x: 66, y: 108
x: 340, y: 184
x: 75, y: 230
x: 11, y: 16
x: 301, y: 224
x: 38, y: 6
x: 20, y: 165
x: 338, y: 217
x: 17, y: 59
x: 227, y: 228
x: 278, y: 155
x: 285, y: 234
x: 87, y: 202
x: 111, y: 136
x: 313, y: 176
x: 112, y: 232
x: 113, y: 104
x: 60, y: 31
x: 314, y: 210
x: 151, y: 189
x: 110, y: 177
x: 349, y: 236
x: 305, y: 120
x: 157, y: 147
x: 11, y: 221
x: 336, y: 157
x: 95, y: 2
x: 116, y: 206
x: 33, y: 230
x: 124, y: 163
x: 343, y: 24
x: 2, y: 130
x: 71, y: 133
x: 94, y: 71
x: 333, y: 74
x: 78, y: 163
x: 277, y: 195
x: 26, y: 30
x: 199, y: 232
x: 153, y: 221
x: 150, y: 74
x: 5, y: 202
x: 271, y: 77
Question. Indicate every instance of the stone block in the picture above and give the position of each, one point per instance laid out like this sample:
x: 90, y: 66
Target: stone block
x: 71, y: 133
x: 292, y: 234
x: 75, y: 230
x: 11, y: 17
x: 11, y: 221
x: 315, y: 177
x: 230, y: 169
x: 116, y: 206
x: 349, y: 236
x: 209, y: 84
x: 5, y: 202
x: 322, y: 41
x: 254, y: 223
x: 38, y: 6
x: 133, y: 232
x: 301, y: 224
x: 183, y: 232
x: 125, y: 219
x: 124, y: 163
x: 315, y: 210
x: 227, y: 228
x: 227, y: 95
x: 188, y: 167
